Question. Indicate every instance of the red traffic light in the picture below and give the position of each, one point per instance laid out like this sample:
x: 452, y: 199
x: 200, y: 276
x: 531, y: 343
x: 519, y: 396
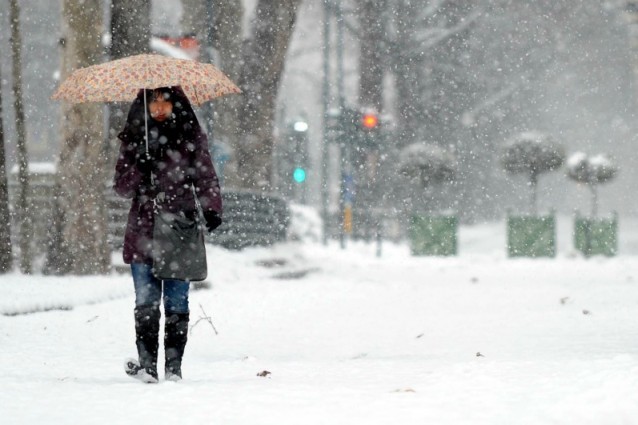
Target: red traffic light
x: 370, y: 121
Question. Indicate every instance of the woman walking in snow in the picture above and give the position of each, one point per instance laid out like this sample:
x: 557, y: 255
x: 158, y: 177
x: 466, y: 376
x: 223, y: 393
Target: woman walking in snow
x: 175, y: 161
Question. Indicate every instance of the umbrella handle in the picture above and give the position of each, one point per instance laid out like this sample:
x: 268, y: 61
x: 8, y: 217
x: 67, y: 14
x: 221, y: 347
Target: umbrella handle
x: 145, y: 122
x: 146, y: 133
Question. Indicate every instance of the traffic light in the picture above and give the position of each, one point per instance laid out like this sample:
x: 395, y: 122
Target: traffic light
x: 299, y: 137
x: 369, y: 128
x: 300, y: 126
x: 297, y: 159
x: 369, y: 121
x: 299, y: 175
x: 356, y: 127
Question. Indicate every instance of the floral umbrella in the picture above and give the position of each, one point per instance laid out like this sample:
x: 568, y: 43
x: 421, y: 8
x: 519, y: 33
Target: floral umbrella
x: 120, y: 80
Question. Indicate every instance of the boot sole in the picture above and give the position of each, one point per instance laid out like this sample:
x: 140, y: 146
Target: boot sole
x: 171, y: 377
x: 134, y: 370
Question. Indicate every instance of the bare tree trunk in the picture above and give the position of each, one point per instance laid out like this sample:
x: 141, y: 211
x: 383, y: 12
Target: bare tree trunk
x: 407, y: 70
x: 227, y: 38
x: 81, y: 169
x: 263, y: 62
x: 197, y: 21
x: 594, y: 200
x: 245, y: 123
x: 130, y: 35
x: 130, y: 27
x: 26, y: 224
x: 371, y: 54
x: 5, y: 230
x: 196, y: 18
x: 533, y: 187
x: 371, y: 70
x: 218, y: 25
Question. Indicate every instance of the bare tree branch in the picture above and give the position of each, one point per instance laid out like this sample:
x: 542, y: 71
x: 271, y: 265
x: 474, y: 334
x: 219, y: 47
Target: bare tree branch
x: 206, y: 318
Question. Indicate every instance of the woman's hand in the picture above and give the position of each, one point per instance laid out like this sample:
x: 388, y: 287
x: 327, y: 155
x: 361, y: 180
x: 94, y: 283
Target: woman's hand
x: 213, y: 220
x: 144, y: 163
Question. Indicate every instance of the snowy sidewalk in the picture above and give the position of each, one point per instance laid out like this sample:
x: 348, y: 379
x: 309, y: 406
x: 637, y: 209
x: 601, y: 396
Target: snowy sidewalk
x: 348, y: 338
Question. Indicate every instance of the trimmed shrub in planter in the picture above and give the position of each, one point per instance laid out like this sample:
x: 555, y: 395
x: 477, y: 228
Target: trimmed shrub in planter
x: 596, y: 236
x: 531, y: 236
x: 593, y: 235
x: 433, y: 235
x: 427, y: 166
x: 532, y: 154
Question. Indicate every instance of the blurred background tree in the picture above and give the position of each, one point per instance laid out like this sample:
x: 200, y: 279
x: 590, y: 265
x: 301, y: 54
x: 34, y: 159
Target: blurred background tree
x: 592, y: 171
x: 22, y: 204
x: 130, y: 34
x: 82, y: 164
x: 6, y: 252
x: 532, y: 154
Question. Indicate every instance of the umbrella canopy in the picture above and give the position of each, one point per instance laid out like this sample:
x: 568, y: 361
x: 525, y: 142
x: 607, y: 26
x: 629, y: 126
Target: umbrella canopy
x: 120, y: 80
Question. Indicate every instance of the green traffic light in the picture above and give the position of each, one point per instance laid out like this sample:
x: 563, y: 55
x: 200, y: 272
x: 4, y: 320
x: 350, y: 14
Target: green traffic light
x: 299, y: 175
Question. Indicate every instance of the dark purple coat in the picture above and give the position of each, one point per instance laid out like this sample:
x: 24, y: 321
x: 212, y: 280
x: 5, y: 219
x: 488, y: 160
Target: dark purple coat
x: 181, y: 159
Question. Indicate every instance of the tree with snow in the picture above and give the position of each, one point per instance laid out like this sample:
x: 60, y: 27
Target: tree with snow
x: 591, y: 171
x: 532, y: 154
x: 427, y: 165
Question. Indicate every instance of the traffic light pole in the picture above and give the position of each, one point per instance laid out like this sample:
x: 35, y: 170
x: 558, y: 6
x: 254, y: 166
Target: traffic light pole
x: 334, y: 7
x: 346, y: 192
x: 326, y: 105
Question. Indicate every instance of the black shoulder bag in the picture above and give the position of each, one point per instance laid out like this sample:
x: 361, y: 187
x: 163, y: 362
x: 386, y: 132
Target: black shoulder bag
x: 179, y: 252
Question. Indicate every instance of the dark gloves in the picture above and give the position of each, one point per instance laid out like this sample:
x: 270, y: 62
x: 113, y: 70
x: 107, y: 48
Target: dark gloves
x: 145, y: 157
x: 144, y: 163
x: 213, y: 220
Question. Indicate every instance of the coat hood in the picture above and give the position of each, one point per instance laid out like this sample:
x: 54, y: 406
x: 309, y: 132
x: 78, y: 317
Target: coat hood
x: 183, y: 122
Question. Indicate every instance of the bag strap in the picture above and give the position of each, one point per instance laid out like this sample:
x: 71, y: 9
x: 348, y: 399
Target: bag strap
x: 161, y: 196
x: 157, y: 200
x: 198, y: 205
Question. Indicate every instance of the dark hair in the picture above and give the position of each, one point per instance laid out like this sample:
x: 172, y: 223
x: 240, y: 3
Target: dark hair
x: 183, y: 122
x: 165, y: 92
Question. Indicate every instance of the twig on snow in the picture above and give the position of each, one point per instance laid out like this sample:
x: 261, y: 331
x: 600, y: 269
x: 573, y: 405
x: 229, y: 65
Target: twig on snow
x: 207, y: 318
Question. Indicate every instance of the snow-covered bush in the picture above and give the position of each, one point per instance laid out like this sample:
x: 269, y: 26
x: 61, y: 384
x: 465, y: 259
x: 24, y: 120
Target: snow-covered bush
x: 306, y: 224
x: 427, y: 164
x: 591, y: 171
x: 532, y: 154
x: 424, y: 167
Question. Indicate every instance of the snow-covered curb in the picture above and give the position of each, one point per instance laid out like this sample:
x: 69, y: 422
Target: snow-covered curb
x: 29, y: 294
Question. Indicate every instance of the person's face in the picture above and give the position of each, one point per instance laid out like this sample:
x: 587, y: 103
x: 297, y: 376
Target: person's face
x: 160, y: 108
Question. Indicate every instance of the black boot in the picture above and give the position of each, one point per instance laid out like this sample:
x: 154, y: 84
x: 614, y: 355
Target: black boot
x: 175, y: 336
x: 147, y: 323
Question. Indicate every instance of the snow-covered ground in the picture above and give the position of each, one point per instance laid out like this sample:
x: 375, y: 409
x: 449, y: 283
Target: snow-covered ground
x: 348, y: 338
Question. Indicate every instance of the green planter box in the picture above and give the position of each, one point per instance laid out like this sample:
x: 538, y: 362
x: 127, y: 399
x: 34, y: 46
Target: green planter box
x: 596, y: 236
x: 433, y: 235
x: 531, y: 236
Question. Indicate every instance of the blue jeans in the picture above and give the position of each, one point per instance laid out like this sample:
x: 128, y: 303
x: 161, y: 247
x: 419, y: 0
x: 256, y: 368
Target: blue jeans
x: 148, y: 290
